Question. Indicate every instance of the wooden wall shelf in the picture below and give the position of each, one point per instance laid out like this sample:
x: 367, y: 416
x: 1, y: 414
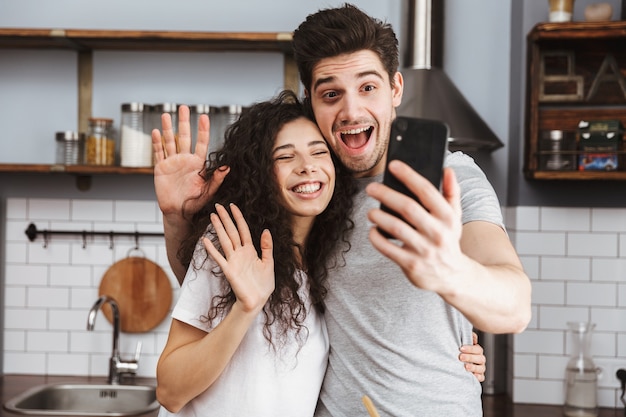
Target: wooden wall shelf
x: 565, y: 84
x: 73, y: 169
x: 84, y: 42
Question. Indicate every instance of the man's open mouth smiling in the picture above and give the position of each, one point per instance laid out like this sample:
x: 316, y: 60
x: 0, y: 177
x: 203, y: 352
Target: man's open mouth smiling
x: 356, y: 138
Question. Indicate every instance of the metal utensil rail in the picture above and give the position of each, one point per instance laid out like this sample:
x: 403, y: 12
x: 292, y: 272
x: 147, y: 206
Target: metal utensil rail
x: 32, y: 232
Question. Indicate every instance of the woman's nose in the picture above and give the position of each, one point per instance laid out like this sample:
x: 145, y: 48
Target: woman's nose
x: 308, y: 166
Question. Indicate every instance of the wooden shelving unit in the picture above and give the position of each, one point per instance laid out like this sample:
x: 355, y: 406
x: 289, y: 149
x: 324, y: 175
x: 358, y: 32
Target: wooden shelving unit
x: 84, y: 42
x: 563, y: 86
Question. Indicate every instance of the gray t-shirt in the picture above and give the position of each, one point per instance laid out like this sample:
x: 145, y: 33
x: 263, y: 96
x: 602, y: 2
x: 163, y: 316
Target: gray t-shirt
x: 392, y: 341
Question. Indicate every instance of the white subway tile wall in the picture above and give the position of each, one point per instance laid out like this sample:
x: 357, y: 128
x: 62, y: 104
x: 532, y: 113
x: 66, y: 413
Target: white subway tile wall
x: 576, y: 259
x: 50, y: 288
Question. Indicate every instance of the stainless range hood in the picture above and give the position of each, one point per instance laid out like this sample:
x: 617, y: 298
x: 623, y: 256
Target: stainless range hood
x: 429, y: 93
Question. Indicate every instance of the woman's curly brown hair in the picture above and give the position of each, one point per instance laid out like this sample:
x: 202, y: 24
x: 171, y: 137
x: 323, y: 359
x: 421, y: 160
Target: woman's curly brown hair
x: 251, y: 185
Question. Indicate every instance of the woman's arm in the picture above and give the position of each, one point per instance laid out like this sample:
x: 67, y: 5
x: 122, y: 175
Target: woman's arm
x: 193, y: 359
x: 177, y: 179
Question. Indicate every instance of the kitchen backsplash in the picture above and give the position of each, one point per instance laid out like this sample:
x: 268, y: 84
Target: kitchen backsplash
x: 576, y: 258
x: 50, y: 290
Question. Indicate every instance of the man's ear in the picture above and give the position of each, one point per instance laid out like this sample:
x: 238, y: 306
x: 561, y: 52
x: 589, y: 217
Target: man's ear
x: 397, y: 89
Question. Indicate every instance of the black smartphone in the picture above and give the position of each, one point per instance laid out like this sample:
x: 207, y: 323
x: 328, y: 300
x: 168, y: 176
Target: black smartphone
x: 421, y: 144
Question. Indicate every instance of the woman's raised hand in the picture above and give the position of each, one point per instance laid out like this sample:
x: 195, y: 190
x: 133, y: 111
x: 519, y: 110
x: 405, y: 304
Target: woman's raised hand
x: 250, y: 277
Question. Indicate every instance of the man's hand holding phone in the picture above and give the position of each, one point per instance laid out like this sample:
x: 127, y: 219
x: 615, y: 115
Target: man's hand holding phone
x: 424, y: 220
x: 422, y: 144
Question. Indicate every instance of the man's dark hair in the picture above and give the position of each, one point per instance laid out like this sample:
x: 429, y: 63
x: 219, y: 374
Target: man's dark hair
x: 331, y: 32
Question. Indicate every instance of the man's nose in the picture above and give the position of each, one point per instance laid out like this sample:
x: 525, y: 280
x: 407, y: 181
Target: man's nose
x: 349, y: 107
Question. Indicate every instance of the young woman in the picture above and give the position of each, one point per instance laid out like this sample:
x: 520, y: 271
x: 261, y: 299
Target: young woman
x: 248, y: 336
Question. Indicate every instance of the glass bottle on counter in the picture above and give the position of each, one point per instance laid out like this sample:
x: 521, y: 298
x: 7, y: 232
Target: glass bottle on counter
x: 100, y: 143
x: 581, y: 375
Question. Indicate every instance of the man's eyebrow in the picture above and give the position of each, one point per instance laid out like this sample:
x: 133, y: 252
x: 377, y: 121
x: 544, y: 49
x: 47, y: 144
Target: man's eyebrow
x: 322, y: 81
x: 330, y: 79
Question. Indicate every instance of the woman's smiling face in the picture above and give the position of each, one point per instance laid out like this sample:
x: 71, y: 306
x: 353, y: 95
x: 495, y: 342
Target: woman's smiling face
x: 303, y: 168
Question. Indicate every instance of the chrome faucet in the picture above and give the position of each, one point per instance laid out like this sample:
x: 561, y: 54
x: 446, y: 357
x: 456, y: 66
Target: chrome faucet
x: 117, y: 367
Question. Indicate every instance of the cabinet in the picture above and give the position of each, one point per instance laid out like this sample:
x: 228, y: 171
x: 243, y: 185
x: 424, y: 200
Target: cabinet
x: 576, y: 71
x: 84, y: 42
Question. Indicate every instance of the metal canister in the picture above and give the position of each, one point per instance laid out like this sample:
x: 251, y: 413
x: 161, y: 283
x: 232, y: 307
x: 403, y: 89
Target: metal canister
x: 227, y: 116
x: 69, y: 148
x: 172, y: 110
x: 195, y: 111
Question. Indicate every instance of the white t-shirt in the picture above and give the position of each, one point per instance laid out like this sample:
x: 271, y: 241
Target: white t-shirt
x: 259, y: 381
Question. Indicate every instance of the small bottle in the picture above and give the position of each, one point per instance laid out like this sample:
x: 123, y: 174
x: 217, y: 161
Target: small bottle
x: 135, y: 144
x: 555, y: 160
x: 69, y: 148
x: 561, y: 10
x: 100, y: 143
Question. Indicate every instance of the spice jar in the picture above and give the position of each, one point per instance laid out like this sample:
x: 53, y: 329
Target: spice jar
x: 135, y: 144
x: 561, y: 10
x: 100, y: 143
x: 69, y: 148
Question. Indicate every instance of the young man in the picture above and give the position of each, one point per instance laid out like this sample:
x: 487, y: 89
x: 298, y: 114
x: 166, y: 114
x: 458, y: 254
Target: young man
x: 394, y: 327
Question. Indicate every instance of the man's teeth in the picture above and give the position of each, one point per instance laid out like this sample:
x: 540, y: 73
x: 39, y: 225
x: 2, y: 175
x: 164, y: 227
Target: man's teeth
x: 355, y: 131
x: 307, y: 188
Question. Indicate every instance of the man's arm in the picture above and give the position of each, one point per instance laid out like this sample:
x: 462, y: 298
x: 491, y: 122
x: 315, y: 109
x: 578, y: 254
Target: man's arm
x: 473, y: 267
x: 177, y: 181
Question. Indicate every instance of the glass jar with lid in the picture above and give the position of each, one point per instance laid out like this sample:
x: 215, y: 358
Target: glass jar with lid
x: 69, y: 148
x: 172, y: 110
x: 227, y: 116
x: 135, y: 144
x: 195, y: 111
x: 100, y: 143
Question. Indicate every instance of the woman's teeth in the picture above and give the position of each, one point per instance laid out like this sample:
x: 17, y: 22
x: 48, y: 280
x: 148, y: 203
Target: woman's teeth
x: 307, y: 188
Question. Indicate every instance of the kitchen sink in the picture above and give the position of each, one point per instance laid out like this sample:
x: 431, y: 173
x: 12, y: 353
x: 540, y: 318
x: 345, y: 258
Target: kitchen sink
x: 85, y: 400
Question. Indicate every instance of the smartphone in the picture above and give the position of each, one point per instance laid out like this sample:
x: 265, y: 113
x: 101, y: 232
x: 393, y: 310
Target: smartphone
x: 420, y: 143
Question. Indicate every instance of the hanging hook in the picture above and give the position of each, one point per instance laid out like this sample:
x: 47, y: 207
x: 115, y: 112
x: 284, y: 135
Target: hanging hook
x: 45, y: 239
x: 84, y: 239
x: 111, y: 239
x: 136, y: 240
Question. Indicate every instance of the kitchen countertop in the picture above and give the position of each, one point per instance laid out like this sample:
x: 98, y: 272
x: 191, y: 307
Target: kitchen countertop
x: 501, y: 406
x: 493, y: 405
x: 13, y: 385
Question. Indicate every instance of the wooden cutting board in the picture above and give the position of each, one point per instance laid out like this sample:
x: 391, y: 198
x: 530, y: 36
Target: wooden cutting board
x: 142, y: 290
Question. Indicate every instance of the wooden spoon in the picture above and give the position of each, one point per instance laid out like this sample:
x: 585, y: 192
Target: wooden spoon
x: 369, y: 405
